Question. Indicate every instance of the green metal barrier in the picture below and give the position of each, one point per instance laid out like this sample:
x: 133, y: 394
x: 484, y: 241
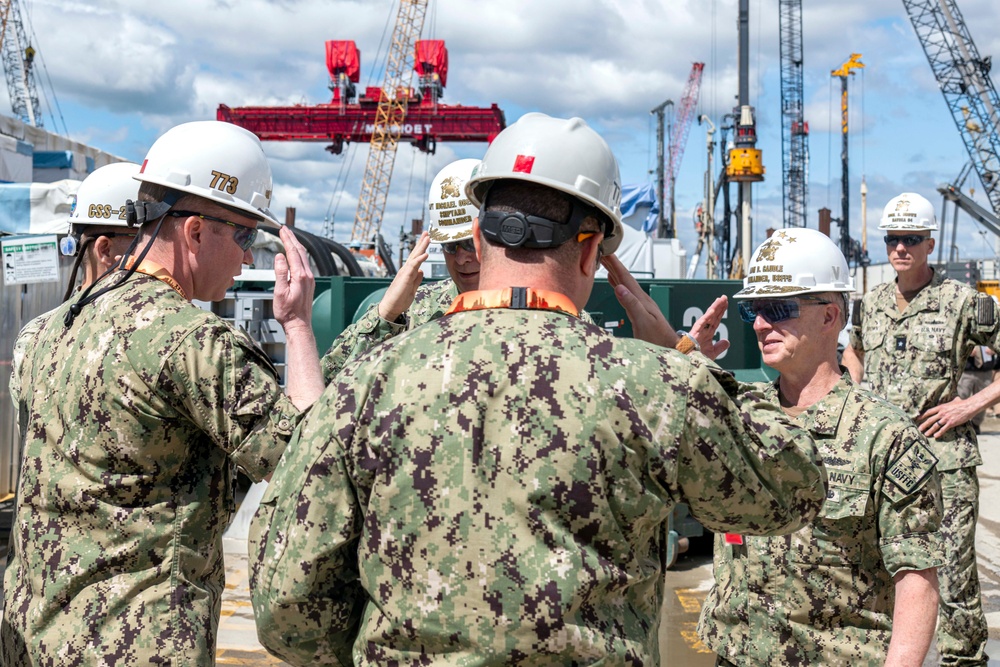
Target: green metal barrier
x: 341, y: 300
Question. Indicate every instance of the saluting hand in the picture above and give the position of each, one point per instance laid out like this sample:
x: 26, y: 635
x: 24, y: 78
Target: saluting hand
x: 399, y: 295
x: 294, y: 284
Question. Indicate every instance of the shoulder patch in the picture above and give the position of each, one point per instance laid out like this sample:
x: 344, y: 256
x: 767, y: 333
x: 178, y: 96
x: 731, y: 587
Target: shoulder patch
x: 986, y: 312
x: 910, y: 469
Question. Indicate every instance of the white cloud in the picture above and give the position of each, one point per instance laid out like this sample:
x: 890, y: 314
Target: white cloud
x: 125, y: 71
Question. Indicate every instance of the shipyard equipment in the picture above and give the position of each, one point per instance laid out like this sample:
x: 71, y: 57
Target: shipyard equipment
x: 851, y: 250
x: 794, y: 128
x: 678, y: 140
x: 18, y: 59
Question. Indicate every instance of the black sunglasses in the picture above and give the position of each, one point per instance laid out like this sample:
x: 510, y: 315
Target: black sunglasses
x: 452, y: 247
x: 909, y: 240
x: 243, y: 235
x: 775, y: 310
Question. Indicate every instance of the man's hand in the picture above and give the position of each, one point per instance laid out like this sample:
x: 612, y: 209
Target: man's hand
x: 704, y: 328
x: 399, y: 295
x: 648, y: 323
x: 938, y: 420
x: 294, y: 284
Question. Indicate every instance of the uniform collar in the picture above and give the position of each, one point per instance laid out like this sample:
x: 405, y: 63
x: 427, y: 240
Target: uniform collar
x: 823, y: 416
x: 514, y: 297
x: 928, y: 298
x: 154, y: 270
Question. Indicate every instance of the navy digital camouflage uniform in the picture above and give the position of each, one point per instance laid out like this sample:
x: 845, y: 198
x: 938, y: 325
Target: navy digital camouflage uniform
x: 914, y: 359
x: 824, y: 595
x: 132, y: 422
x: 429, y: 303
x: 491, y: 488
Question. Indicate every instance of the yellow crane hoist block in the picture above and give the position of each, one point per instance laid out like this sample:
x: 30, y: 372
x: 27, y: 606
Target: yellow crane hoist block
x: 745, y: 165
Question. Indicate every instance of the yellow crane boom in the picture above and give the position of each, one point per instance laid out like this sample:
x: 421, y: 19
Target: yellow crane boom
x: 389, y: 119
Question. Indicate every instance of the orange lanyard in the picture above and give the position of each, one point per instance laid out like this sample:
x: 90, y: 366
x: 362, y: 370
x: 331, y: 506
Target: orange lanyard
x: 513, y: 297
x: 154, y: 270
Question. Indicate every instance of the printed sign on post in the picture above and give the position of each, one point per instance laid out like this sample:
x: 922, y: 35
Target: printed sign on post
x: 30, y: 259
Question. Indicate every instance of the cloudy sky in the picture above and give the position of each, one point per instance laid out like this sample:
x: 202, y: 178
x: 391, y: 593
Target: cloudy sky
x: 122, y: 72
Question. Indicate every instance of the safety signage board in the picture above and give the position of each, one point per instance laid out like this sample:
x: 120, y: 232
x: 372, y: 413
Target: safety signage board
x: 30, y: 259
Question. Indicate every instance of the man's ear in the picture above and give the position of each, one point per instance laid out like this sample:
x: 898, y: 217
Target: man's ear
x: 194, y: 233
x: 591, y: 256
x: 475, y: 239
x: 930, y: 248
x: 102, y: 248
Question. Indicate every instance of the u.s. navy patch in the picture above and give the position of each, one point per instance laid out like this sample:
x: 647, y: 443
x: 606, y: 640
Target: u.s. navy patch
x: 910, y: 469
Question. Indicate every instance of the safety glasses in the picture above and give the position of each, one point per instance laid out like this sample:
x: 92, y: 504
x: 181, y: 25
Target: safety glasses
x: 243, y: 235
x: 452, y: 247
x: 775, y: 310
x: 909, y: 240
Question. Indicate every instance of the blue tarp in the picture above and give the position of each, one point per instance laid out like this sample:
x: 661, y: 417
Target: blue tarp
x: 15, y: 208
x: 634, y: 196
x: 53, y: 160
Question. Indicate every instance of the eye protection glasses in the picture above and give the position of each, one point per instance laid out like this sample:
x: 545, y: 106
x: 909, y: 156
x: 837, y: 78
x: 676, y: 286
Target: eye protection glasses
x: 908, y: 240
x: 243, y: 235
x: 465, y: 244
x: 776, y: 310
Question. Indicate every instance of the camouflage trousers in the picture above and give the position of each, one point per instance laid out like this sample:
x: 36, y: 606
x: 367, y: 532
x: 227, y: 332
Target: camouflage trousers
x: 962, y: 630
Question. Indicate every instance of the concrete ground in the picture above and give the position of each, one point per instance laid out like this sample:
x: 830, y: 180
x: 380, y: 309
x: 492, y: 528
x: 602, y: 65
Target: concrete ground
x: 686, y: 586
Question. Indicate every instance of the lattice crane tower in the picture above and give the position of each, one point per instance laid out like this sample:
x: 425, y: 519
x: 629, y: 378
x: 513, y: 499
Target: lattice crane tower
x: 964, y: 78
x: 794, y: 129
x: 678, y: 139
x: 389, y: 119
x: 18, y: 57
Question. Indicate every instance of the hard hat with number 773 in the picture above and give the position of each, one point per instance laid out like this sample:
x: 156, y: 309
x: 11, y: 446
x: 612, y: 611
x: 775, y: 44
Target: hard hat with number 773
x: 795, y: 261
x: 566, y: 155
x: 451, y: 212
x: 215, y: 160
x: 102, y: 195
x: 908, y: 212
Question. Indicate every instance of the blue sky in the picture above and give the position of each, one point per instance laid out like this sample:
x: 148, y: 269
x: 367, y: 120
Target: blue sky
x: 124, y: 72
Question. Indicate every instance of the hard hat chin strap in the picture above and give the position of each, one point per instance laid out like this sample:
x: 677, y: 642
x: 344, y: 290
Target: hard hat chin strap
x: 136, y: 214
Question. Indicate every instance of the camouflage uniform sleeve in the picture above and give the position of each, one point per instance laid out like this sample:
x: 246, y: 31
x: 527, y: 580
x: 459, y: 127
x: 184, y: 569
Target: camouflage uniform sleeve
x: 229, y: 388
x: 22, y: 344
x: 304, y: 581
x: 743, y: 466
x: 909, y: 505
x: 857, y: 322
x: 357, y: 339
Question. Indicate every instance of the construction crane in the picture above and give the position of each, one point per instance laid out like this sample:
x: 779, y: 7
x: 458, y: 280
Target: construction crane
x: 794, y: 128
x: 842, y: 73
x: 18, y: 59
x: 678, y: 139
x: 964, y: 79
x: 389, y: 119
x: 350, y: 117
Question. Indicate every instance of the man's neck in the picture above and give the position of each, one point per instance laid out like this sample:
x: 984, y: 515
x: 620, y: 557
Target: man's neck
x: 808, y: 386
x: 910, y: 282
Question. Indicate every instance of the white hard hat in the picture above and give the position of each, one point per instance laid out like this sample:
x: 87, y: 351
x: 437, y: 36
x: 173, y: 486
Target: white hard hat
x: 796, y: 261
x: 102, y: 195
x: 451, y: 213
x: 215, y: 160
x: 909, y: 212
x: 566, y: 155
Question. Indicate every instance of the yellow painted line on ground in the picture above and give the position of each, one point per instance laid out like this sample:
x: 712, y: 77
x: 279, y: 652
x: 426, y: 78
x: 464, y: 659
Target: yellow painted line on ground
x: 689, y: 632
x: 691, y: 601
